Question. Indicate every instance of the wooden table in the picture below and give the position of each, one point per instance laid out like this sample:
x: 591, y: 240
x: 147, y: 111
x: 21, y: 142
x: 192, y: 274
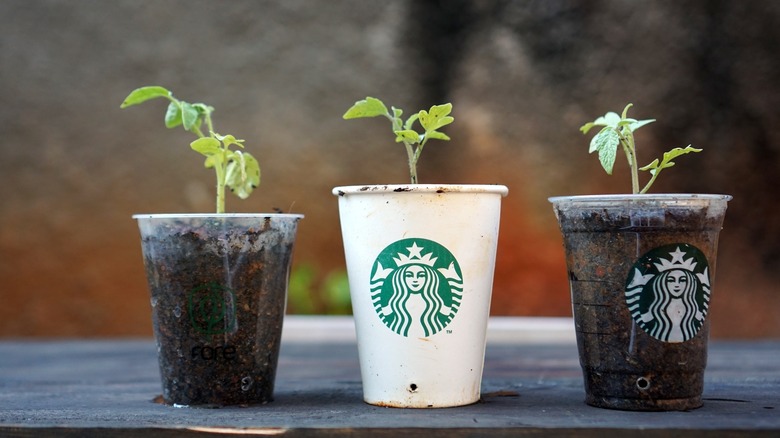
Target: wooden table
x: 532, y: 386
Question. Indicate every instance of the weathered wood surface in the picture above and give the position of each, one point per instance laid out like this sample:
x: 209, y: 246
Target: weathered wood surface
x: 532, y: 386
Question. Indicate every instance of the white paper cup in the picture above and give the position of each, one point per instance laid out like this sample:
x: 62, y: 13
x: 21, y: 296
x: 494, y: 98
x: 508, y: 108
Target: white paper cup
x: 420, y: 261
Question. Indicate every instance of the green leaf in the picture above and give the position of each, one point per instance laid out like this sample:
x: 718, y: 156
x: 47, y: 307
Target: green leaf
x: 640, y: 123
x: 202, y: 108
x: 189, y: 116
x: 437, y: 135
x: 243, y: 174
x: 666, y: 161
x: 173, y: 115
x: 368, y: 107
x: 625, y: 110
x: 207, y: 146
x: 437, y: 117
x: 652, y: 167
x: 655, y: 167
x: 605, y: 136
x: 410, y: 121
x: 229, y: 140
x: 236, y: 170
x: 587, y: 127
x: 606, y: 142
x: 252, y: 170
x: 609, y: 119
x: 141, y: 95
x: 212, y: 161
x: 407, y: 136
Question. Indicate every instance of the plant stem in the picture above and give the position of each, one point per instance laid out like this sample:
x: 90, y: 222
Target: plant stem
x: 197, y: 132
x: 628, y: 145
x: 397, y: 125
x: 221, y: 167
x: 220, y: 190
x: 414, y: 159
x: 649, y: 183
x: 412, y: 162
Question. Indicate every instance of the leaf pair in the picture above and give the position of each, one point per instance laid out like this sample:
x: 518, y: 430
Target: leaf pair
x: 666, y: 162
x: 189, y: 115
x: 437, y: 117
x: 179, y: 112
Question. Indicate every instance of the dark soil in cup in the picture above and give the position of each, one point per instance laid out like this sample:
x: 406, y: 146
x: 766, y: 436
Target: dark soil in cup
x: 624, y: 367
x: 218, y: 300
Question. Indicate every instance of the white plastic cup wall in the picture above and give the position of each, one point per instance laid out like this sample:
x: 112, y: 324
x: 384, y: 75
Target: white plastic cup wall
x: 444, y: 369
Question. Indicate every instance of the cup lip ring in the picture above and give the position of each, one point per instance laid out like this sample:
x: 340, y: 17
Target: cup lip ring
x: 368, y: 189
x: 140, y: 216
x: 640, y: 197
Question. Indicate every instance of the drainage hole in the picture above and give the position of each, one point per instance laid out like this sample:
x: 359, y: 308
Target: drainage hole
x: 642, y: 383
x: 413, y: 387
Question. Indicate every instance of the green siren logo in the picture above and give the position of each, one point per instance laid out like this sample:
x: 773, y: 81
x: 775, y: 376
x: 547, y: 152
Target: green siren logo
x: 416, y: 287
x: 668, y: 292
x: 212, y: 309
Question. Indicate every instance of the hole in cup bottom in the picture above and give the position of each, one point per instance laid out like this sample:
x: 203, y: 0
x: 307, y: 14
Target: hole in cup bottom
x: 642, y: 383
x: 413, y: 387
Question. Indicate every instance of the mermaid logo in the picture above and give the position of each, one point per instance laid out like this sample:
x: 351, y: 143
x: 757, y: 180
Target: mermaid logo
x: 416, y: 287
x: 668, y: 292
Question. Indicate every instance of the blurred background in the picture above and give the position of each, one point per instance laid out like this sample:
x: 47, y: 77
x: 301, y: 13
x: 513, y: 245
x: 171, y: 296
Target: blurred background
x: 523, y: 76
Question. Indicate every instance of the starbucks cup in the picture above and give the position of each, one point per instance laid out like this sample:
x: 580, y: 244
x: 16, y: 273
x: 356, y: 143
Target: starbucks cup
x: 641, y: 271
x: 420, y: 261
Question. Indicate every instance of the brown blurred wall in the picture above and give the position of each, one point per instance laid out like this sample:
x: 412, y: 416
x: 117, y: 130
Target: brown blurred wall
x: 522, y: 76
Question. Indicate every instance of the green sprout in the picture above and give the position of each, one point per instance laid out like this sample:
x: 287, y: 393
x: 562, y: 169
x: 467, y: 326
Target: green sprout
x: 432, y: 120
x: 239, y: 171
x: 619, y: 130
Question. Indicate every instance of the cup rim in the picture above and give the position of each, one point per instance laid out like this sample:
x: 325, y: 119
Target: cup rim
x: 368, y: 189
x: 215, y: 215
x: 640, y: 197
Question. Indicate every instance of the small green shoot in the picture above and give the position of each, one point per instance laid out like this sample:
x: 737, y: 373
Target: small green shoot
x: 239, y: 171
x: 431, y: 121
x: 618, y: 130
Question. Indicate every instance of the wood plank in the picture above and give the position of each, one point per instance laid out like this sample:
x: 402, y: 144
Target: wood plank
x: 106, y: 388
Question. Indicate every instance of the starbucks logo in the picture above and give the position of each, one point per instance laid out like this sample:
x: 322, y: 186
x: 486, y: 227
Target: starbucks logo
x: 212, y: 309
x: 416, y: 287
x: 668, y: 292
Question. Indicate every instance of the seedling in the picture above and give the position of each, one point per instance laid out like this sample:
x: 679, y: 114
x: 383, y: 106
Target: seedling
x: 619, y: 130
x: 239, y: 171
x: 431, y: 121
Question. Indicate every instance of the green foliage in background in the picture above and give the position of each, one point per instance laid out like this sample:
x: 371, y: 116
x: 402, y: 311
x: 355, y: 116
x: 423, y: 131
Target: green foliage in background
x: 618, y: 130
x: 309, y: 295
